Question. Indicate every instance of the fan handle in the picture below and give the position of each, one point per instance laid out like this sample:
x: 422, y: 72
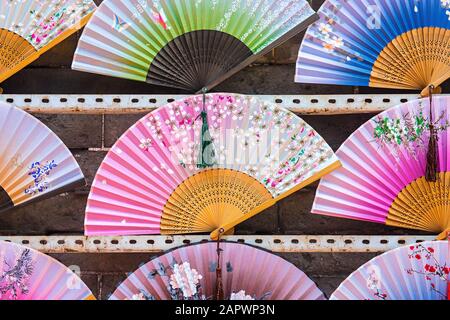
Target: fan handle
x: 436, y: 88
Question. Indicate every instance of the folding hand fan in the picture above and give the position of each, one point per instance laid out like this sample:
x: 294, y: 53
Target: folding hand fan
x: 189, y: 273
x: 26, y: 274
x: 384, y: 174
x: 28, y: 28
x: 416, y: 272
x: 197, y: 166
x: 186, y: 44
x: 34, y: 162
x: 400, y: 44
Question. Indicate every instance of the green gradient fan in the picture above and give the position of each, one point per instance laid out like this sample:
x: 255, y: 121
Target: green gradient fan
x: 185, y: 44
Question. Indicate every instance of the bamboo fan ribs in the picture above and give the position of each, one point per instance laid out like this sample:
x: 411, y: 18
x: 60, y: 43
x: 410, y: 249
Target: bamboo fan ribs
x: 185, y: 44
x: 28, y: 28
x: 34, y: 162
x: 383, y: 177
x: 400, y: 44
x: 415, y: 272
x: 189, y: 273
x: 26, y: 274
x: 156, y: 178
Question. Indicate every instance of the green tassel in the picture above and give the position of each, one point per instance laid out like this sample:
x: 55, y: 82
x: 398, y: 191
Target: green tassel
x: 206, y: 154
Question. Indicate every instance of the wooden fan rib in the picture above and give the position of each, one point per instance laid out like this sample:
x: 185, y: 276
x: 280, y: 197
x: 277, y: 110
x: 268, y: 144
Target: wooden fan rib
x: 13, y: 49
x: 399, y: 274
x: 413, y: 47
x: 215, y: 234
x: 217, y: 208
x: 247, y: 265
x: 214, y: 189
x: 238, y: 53
x: 29, y: 134
x: 170, y: 62
x: 66, y: 170
x: 190, y: 56
x: 253, y: 58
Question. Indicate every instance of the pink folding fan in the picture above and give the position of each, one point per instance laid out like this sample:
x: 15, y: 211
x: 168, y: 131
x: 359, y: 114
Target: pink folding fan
x: 26, y: 274
x: 415, y: 272
x: 393, y: 171
x: 34, y: 162
x: 204, y: 164
x: 195, y: 272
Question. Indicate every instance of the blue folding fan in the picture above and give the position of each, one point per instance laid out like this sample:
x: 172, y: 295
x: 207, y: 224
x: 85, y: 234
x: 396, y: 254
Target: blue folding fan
x: 402, y: 44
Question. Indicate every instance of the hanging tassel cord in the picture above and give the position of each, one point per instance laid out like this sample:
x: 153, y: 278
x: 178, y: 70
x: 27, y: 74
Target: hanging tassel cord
x: 432, y: 154
x: 219, y: 295
x: 206, y: 156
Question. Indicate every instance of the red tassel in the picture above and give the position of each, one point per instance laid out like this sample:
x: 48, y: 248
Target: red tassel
x: 432, y: 155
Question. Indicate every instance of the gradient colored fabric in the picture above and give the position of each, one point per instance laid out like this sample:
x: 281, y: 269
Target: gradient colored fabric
x: 26, y: 274
x: 34, y: 162
x: 185, y: 44
x: 383, y: 168
x: 258, y: 273
x: 361, y: 43
x: 413, y: 272
x: 151, y: 175
x: 28, y: 28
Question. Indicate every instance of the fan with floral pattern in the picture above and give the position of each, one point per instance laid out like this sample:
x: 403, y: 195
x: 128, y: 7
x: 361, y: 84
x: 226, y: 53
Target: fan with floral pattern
x: 415, y: 272
x: 401, y: 44
x: 202, y: 164
x: 34, y: 163
x: 385, y: 175
x: 28, y: 28
x: 26, y: 274
x: 190, y: 273
x: 190, y: 44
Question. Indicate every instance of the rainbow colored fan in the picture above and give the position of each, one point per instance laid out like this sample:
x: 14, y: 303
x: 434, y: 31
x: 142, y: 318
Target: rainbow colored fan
x: 189, y: 45
x: 26, y: 274
x: 415, y: 272
x: 34, y: 162
x: 203, y: 164
x: 385, y: 175
x: 28, y: 28
x: 197, y: 272
x: 401, y: 44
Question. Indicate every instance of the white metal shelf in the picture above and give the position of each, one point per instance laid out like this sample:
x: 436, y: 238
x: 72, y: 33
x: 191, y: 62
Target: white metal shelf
x: 275, y: 243
x: 118, y: 104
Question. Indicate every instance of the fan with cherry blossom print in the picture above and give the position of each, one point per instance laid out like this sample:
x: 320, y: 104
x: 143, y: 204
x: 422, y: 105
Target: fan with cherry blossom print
x: 414, y: 272
x: 26, y: 274
x: 189, y: 45
x: 28, y: 28
x: 164, y: 176
x: 190, y: 273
